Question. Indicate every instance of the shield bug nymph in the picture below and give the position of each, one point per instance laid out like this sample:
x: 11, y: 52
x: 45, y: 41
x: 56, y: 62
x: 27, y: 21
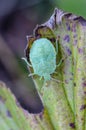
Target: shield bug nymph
x: 42, y: 58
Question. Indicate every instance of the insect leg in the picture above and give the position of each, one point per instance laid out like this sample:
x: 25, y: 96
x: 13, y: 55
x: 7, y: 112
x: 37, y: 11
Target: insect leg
x: 26, y: 62
x: 55, y: 72
x: 40, y: 78
x: 31, y: 74
x: 56, y: 80
x: 60, y: 62
x: 56, y: 46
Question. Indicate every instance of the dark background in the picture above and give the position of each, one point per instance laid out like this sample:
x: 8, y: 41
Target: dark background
x: 18, y: 18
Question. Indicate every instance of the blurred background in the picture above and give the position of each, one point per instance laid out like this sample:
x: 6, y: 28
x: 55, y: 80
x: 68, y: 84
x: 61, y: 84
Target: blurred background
x: 18, y: 18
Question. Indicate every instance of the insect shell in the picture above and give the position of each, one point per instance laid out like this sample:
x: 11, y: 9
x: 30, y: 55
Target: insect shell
x: 43, y: 58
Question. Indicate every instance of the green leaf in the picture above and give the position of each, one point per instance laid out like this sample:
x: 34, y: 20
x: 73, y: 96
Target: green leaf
x: 12, y: 116
x: 73, y: 6
x: 64, y: 96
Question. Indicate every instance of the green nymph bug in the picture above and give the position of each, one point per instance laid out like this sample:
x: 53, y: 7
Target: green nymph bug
x: 43, y: 58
